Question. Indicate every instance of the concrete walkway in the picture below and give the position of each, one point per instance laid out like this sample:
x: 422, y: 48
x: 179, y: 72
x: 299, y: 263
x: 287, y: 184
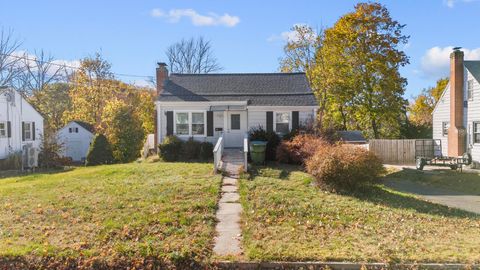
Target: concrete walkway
x: 449, y: 198
x: 228, y: 239
x: 232, y: 161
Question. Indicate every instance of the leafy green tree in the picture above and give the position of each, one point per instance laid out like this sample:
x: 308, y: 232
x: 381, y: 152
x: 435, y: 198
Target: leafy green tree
x: 362, y: 57
x: 100, y: 151
x: 53, y: 101
x: 421, y: 108
x: 123, y: 129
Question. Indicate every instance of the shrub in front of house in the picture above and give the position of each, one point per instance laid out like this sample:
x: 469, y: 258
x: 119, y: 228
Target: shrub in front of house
x: 12, y: 162
x: 344, y: 166
x: 272, y: 139
x: 206, y: 151
x: 170, y: 149
x: 299, y: 149
x: 100, y: 151
x: 190, y: 150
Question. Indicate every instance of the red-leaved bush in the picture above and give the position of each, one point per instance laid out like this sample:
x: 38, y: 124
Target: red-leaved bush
x: 299, y: 149
x: 344, y: 166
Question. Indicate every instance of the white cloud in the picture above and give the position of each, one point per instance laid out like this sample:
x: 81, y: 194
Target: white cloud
x: 451, y: 3
x: 288, y: 36
x: 197, y: 19
x: 436, y: 61
x: 29, y: 59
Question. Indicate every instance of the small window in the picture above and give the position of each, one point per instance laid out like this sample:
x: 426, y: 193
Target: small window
x: 198, y: 123
x: 445, y: 126
x: 181, y: 122
x: 470, y: 89
x: 3, y: 129
x: 76, y: 130
x: 27, y: 129
x: 235, y: 121
x: 282, y: 122
x: 476, y: 132
x: 69, y: 130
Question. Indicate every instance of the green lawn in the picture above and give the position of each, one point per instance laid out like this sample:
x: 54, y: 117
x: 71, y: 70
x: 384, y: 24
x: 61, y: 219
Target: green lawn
x: 286, y: 218
x: 463, y: 182
x: 164, y: 211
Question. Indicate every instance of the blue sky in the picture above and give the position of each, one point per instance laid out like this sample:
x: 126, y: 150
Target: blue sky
x: 247, y: 36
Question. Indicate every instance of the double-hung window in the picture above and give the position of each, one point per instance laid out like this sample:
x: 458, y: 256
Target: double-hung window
x: 181, y: 123
x: 445, y: 126
x: 28, y: 131
x: 198, y: 123
x: 190, y: 123
x: 470, y: 90
x: 282, y: 122
x: 476, y: 132
x: 3, y: 129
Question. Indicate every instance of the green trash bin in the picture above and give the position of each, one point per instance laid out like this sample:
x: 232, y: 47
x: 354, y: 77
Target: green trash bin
x: 257, y: 151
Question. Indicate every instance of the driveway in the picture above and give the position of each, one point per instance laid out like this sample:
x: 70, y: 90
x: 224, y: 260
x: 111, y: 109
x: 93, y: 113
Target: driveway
x: 449, y: 198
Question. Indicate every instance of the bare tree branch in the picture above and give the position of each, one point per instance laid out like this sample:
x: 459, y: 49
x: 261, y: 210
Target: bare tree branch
x: 192, y: 56
x: 11, y: 68
x: 40, y: 71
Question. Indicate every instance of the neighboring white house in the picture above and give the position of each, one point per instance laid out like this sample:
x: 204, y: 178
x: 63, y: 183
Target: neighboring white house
x: 75, y: 138
x: 204, y: 106
x: 459, y: 131
x: 20, y: 123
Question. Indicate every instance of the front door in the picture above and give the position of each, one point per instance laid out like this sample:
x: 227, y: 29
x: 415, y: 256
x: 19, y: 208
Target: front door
x: 236, y: 123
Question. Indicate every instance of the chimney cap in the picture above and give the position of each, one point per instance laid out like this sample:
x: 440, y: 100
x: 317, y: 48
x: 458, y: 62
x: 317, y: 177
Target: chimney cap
x: 456, y: 49
x: 161, y: 64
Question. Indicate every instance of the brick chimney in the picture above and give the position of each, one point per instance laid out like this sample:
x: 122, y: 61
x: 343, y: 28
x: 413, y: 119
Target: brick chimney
x: 456, y: 132
x: 162, y: 76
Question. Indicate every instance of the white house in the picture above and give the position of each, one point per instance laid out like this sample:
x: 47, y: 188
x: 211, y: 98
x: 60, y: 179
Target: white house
x: 75, y: 138
x: 456, y: 117
x: 20, y: 123
x: 204, y: 106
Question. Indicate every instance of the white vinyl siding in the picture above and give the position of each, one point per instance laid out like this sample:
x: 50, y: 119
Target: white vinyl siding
x: 472, y: 114
x: 256, y: 119
x: 441, y: 114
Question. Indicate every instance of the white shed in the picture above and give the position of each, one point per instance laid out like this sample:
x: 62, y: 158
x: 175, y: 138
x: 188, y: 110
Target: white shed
x: 75, y: 137
x: 20, y: 123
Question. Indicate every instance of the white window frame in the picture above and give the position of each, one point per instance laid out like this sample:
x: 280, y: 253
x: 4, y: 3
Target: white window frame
x: 473, y: 132
x: 190, y: 120
x: 445, y: 126
x: 470, y: 86
x: 275, y: 120
x: 30, y: 130
x: 5, y: 129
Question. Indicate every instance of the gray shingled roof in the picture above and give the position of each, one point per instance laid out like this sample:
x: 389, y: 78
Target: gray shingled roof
x: 351, y: 136
x: 474, y: 68
x: 261, y: 89
x: 85, y: 125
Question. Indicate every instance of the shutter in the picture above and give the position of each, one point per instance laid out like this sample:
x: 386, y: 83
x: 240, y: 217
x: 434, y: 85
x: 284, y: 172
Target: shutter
x: 210, y: 123
x: 169, y: 123
x: 295, y: 120
x: 9, y: 129
x: 33, y: 131
x: 269, y: 121
x: 23, y: 131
